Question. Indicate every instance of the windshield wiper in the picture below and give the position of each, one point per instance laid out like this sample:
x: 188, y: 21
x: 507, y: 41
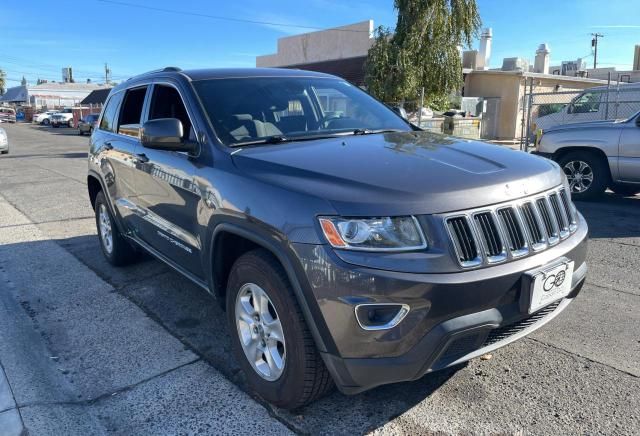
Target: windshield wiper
x: 276, y: 139
x: 374, y: 131
x: 273, y: 139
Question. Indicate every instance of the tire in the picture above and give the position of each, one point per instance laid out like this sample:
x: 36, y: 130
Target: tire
x: 625, y: 190
x: 46, y: 122
x: 302, y: 377
x: 587, y: 172
x: 119, y: 251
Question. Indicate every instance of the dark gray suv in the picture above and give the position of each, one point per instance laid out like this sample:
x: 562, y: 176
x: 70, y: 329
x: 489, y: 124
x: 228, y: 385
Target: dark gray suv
x: 347, y: 245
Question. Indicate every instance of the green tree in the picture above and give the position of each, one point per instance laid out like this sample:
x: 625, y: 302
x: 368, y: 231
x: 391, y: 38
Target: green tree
x: 423, y: 51
x: 3, y: 82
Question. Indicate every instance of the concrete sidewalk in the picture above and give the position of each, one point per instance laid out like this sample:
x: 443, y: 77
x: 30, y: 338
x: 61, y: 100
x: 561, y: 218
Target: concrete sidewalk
x: 80, y: 358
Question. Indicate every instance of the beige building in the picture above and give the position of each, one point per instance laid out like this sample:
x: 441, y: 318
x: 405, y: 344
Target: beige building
x: 341, y: 51
x: 508, y: 89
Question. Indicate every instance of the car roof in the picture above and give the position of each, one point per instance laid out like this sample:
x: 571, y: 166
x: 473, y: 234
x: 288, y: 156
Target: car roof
x: 222, y: 73
x: 226, y: 73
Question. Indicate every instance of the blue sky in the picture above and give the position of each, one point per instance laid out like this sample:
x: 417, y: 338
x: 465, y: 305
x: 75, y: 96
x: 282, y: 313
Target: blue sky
x: 37, y: 39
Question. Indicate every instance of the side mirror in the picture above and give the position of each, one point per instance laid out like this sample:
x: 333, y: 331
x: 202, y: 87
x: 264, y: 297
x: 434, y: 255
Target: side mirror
x: 164, y: 134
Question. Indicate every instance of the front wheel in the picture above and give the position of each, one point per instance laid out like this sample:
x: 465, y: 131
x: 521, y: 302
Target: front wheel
x: 270, y: 338
x: 587, y: 173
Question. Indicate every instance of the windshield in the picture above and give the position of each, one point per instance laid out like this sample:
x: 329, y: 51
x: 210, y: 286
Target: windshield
x: 246, y: 110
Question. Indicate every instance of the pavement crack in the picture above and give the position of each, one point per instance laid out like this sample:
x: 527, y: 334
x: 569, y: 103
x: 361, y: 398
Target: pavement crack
x: 595, y: 285
x: 106, y: 395
x: 573, y: 353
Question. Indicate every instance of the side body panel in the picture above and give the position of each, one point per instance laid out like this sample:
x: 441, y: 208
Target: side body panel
x: 629, y: 160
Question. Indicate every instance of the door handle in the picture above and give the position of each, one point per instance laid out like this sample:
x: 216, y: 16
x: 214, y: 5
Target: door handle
x: 142, y: 157
x: 108, y: 146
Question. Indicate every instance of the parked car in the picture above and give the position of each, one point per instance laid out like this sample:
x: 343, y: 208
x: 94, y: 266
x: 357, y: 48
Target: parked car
x: 596, y: 155
x: 44, y: 118
x: 7, y: 115
x: 347, y: 248
x: 87, y: 123
x: 594, y: 104
x: 62, y: 118
x: 4, y: 141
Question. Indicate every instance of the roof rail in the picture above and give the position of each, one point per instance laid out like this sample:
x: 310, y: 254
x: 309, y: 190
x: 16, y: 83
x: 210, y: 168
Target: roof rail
x: 159, y: 70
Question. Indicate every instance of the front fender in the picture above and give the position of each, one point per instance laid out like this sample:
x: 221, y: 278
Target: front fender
x: 278, y: 246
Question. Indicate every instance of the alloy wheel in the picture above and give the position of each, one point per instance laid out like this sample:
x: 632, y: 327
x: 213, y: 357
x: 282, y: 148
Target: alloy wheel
x: 260, y: 332
x: 106, y: 234
x: 579, y: 175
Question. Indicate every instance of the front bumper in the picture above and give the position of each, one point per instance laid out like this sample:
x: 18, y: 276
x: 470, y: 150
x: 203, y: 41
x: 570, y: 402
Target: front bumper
x: 454, y: 317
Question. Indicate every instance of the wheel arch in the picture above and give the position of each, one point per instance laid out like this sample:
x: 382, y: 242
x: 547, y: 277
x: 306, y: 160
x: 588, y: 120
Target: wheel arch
x: 562, y: 152
x: 94, y: 185
x: 226, y: 233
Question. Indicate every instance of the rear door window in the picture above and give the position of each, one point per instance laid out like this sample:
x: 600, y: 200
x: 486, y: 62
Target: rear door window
x: 108, y: 121
x: 131, y: 112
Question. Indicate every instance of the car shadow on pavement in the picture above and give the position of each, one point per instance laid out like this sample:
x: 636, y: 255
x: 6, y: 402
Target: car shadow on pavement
x: 65, y: 131
x: 620, y: 213
x: 48, y: 156
x: 198, y: 321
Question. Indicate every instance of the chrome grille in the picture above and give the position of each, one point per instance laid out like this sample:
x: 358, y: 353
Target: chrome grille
x: 507, y: 231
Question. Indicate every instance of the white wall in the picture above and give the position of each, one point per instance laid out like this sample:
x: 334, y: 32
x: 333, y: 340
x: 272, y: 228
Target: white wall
x: 342, y: 42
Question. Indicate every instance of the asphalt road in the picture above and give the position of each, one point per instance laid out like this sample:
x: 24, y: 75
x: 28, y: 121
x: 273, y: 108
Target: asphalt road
x: 88, y: 348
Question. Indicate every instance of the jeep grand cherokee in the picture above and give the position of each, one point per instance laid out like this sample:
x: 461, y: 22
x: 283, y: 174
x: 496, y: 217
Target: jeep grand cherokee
x: 347, y: 246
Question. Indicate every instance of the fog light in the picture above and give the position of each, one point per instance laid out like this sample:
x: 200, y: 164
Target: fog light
x: 380, y: 316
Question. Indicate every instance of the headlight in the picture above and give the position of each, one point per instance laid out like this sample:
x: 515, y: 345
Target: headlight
x: 374, y: 234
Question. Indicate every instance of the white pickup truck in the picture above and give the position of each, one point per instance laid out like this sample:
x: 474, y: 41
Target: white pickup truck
x: 596, y: 155
x: 62, y: 118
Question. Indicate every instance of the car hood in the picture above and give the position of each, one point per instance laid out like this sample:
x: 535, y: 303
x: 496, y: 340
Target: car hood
x: 585, y: 125
x: 400, y: 173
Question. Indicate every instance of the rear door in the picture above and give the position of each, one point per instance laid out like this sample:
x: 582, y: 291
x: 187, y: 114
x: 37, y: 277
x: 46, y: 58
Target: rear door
x: 629, y: 151
x: 167, y: 189
x: 118, y: 137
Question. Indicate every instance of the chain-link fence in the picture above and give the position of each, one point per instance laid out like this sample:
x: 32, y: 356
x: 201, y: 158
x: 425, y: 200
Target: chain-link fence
x: 472, y: 120
x: 544, y: 110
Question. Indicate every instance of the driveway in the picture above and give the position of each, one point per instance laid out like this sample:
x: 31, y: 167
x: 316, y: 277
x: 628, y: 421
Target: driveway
x: 88, y: 348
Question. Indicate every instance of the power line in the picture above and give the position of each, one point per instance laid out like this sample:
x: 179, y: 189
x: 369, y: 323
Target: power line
x: 223, y: 18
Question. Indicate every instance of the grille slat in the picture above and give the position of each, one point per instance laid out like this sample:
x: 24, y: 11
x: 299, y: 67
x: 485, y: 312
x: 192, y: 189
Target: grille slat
x: 566, y: 203
x: 462, y: 235
x: 543, y: 209
x: 515, y: 236
x: 489, y: 233
x: 558, y: 212
x: 532, y: 224
x: 511, y: 230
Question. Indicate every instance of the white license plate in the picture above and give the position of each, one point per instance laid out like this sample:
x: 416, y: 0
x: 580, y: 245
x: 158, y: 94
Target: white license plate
x: 550, y: 284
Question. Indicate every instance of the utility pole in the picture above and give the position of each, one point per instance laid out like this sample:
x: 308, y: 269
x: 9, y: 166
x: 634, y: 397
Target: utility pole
x: 594, y: 44
x: 107, y: 72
